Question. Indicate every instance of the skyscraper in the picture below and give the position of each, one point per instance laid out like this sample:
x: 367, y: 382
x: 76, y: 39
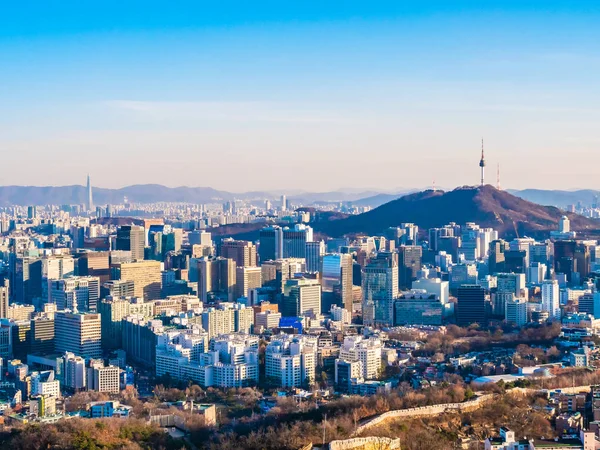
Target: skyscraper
x: 295, y: 239
x: 132, y: 238
x: 301, y: 297
x: 78, y: 333
x: 242, y: 252
x: 380, y: 289
x: 314, y: 253
x: 4, y: 291
x: 551, y: 299
x: 337, y: 281
x: 216, y: 278
x: 146, y: 277
x: 90, y: 201
x: 471, y: 305
x: 271, y: 243
x: 75, y: 293
x: 409, y: 263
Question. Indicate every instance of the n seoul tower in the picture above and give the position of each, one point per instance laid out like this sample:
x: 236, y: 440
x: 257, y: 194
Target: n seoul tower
x: 482, y: 163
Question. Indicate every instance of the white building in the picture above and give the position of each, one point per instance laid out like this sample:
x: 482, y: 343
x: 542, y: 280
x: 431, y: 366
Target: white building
x: 291, y: 361
x: 44, y: 383
x: 74, y: 372
x: 551, y: 299
x: 434, y: 286
x: 516, y: 311
x: 367, y: 351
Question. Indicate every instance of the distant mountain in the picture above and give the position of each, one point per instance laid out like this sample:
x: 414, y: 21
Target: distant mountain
x: 486, y: 206
x: 556, y: 197
x: 150, y: 193
x: 143, y: 193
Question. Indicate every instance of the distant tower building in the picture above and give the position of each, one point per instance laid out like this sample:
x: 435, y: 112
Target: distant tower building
x: 90, y: 201
x: 482, y: 164
x: 283, y: 203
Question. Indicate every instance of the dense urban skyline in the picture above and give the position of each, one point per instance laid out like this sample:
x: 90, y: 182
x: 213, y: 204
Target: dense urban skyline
x: 266, y: 88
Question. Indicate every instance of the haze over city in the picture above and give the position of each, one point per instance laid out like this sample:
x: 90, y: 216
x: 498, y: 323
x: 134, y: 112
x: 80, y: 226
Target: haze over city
x: 335, y: 225
x: 339, y: 94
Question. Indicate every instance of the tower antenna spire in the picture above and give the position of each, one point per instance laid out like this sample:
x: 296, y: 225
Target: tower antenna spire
x: 498, y: 178
x: 482, y: 164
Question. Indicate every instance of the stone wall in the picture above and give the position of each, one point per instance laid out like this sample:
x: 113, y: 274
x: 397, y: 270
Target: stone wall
x: 366, y: 443
x: 424, y: 411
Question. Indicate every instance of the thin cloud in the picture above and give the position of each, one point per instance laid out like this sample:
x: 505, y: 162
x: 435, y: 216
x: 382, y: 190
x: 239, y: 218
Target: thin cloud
x: 227, y: 111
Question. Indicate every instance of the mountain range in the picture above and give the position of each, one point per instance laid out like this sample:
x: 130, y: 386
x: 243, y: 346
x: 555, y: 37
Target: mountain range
x: 149, y: 193
x: 486, y: 206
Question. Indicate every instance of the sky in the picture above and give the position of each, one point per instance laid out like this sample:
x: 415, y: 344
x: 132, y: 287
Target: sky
x: 318, y: 96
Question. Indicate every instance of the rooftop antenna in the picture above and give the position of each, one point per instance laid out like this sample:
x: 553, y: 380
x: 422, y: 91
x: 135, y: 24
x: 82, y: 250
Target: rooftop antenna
x: 498, y: 178
x: 434, y: 188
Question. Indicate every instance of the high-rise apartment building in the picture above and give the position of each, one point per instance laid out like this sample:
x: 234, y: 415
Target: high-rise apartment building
x: 132, y: 238
x: 78, y: 333
x: 551, y: 299
x: 146, y: 277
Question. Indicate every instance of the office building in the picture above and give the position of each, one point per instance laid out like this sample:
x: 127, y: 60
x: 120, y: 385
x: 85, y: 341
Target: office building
x: 336, y: 279
x: 271, y: 243
x: 433, y: 286
x: 4, y: 295
x: 380, y: 289
x: 242, y: 252
x: 346, y: 372
x: 516, y: 311
x: 295, y: 239
x: 103, y: 378
x: 78, y: 333
x: 247, y: 278
x: 314, y: 254
x: 496, y: 259
x: 117, y: 289
x: 113, y: 310
x: 140, y: 338
x: 470, y: 307
x: 216, y: 279
x: 94, y: 264
x: 75, y: 293
x: 132, y: 238
x: 301, y: 297
x: 418, y: 308
x: 409, y: 263
x: 45, y: 383
x: 146, y: 277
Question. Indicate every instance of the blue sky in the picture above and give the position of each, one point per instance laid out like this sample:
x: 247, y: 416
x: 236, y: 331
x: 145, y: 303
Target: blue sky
x: 299, y: 95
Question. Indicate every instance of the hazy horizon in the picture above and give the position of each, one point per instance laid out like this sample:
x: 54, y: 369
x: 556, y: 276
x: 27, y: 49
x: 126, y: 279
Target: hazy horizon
x: 253, y: 97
